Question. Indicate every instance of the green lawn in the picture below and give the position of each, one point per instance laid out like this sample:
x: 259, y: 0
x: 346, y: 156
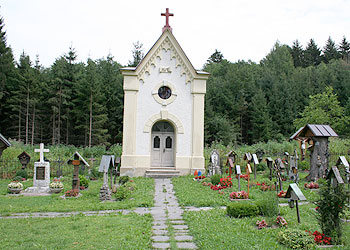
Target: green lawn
x: 130, y: 231
x: 89, y: 201
x: 215, y: 230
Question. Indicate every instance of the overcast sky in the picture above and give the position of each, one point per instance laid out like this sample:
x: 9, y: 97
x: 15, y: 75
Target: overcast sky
x: 240, y: 29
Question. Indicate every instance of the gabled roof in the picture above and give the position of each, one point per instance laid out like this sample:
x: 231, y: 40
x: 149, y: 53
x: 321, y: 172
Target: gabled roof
x: 80, y: 158
x: 4, y: 140
x: 106, y: 162
x: 335, y: 173
x: 294, y: 189
x: 316, y: 130
x: 166, y: 41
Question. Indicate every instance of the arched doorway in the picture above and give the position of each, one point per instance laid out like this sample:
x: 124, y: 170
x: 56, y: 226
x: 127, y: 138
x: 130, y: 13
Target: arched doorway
x: 163, y: 141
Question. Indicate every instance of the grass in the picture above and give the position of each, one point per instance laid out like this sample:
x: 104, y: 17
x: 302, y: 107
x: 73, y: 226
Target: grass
x: 89, y: 201
x: 191, y: 193
x: 130, y: 231
x: 215, y: 230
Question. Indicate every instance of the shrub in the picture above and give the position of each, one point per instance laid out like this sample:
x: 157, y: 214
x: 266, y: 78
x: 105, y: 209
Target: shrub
x: 123, y: 180
x: 242, y: 209
x: 84, y: 182
x: 22, y: 173
x: 215, y: 179
x: 123, y: 192
x: 18, y: 178
x: 304, y: 165
x: 95, y: 174
x: 295, y: 239
x: 331, y: 205
x: 268, y: 205
x: 261, y: 167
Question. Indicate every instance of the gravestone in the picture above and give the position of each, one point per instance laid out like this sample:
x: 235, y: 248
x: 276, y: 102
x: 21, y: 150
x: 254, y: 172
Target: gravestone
x: 294, y: 194
x: 77, y: 160
x: 41, y: 178
x: 277, y: 167
x: 106, y: 167
x: 214, y: 163
x: 334, y: 176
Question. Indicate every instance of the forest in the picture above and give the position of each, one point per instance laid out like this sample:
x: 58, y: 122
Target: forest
x: 81, y: 103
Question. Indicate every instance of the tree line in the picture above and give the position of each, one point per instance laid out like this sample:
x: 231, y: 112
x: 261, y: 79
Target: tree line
x: 80, y: 103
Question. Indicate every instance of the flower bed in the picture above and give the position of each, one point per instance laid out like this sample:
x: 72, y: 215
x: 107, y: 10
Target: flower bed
x: 321, y: 239
x: 281, y: 194
x: 311, y: 185
x: 238, y: 195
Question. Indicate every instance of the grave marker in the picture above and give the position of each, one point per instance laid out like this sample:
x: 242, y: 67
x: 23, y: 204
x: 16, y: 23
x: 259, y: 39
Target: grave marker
x: 24, y: 159
x: 41, y: 178
x: 248, y: 172
x: 231, y: 159
x: 256, y: 162
x: 335, y: 176
x: 294, y: 194
x: 106, y: 166
x: 76, y: 160
x: 238, y: 172
x: 269, y: 162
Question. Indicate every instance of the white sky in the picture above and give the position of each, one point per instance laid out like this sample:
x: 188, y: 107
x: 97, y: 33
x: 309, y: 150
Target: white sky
x: 240, y: 29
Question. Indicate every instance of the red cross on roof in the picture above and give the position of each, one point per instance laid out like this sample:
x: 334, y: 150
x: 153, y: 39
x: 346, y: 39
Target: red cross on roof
x: 167, y: 14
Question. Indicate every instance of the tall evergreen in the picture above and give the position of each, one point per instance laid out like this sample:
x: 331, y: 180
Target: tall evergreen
x: 7, y: 78
x: 312, y: 54
x: 297, y: 53
x: 137, y: 54
x: 330, y: 51
x: 344, y: 49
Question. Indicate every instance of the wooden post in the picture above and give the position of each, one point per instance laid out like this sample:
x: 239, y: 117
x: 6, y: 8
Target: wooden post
x: 239, y: 182
x: 248, y: 185
x: 297, y: 207
x: 230, y: 166
x: 248, y: 172
x: 76, y: 181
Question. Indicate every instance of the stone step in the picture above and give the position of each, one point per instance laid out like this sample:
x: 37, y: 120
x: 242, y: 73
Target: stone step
x: 162, y: 173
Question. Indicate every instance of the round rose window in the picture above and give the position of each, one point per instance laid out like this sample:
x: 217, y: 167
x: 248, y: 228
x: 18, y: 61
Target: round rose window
x: 164, y: 92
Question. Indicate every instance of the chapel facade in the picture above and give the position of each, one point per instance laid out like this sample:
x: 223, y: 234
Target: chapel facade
x: 163, y: 124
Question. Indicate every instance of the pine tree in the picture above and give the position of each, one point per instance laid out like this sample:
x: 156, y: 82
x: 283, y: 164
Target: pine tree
x: 297, y: 53
x: 216, y: 57
x: 137, y: 54
x: 330, y: 51
x: 112, y: 88
x: 312, y: 54
x: 261, y: 121
x: 344, y: 49
x: 7, y: 79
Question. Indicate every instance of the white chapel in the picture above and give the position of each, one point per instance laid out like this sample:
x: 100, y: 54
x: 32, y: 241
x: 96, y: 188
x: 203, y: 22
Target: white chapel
x: 163, y: 125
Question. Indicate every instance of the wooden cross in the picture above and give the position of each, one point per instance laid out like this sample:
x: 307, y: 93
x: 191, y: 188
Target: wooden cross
x: 167, y: 15
x: 41, y: 151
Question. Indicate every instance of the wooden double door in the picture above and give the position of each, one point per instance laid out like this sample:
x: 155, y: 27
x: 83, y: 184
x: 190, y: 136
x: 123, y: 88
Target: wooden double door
x: 163, y: 145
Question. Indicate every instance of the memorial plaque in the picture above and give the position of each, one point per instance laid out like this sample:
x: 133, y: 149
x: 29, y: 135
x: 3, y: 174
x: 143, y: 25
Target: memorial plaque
x: 40, y: 173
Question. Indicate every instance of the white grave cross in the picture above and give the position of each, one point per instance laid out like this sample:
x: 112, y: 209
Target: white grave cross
x: 41, y: 151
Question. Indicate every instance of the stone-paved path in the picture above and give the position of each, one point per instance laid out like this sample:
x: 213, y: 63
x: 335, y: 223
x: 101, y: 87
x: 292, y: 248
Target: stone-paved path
x: 168, y: 225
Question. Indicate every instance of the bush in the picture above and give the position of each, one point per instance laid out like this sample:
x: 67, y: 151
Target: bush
x: 242, y: 209
x: 22, y: 173
x: 303, y: 165
x: 123, y: 180
x: 215, y: 179
x: 83, y: 181
x: 17, y: 178
x: 295, y: 239
x: 123, y: 192
x: 268, y: 205
x: 261, y: 167
x: 95, y: 174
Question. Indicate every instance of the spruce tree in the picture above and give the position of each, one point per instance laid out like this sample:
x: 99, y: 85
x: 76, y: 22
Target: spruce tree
x: 137, y: 54
x: 330, y: 51
x: 312, y: 54
x: 344, y: 49
x: 7, y: 78
x: 297, y: 53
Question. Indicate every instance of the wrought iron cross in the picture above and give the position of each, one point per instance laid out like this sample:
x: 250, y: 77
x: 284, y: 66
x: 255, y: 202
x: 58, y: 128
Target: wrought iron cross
x: 167, y: 15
